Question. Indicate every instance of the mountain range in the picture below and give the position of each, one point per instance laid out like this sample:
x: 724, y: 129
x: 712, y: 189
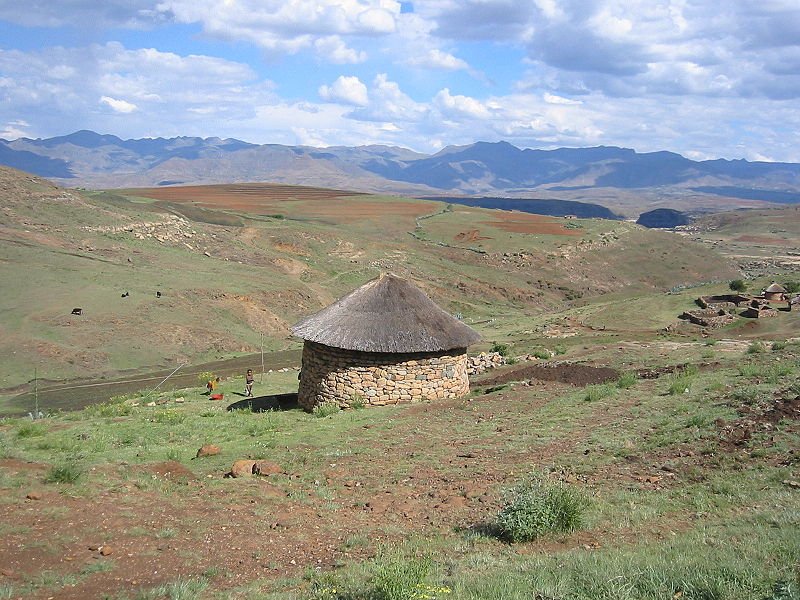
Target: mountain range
x: 618, y: 178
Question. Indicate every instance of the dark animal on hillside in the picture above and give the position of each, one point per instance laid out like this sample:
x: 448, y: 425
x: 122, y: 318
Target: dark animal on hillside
x: 158, y: 294
x: 77, y: 311
x: 125, y: 295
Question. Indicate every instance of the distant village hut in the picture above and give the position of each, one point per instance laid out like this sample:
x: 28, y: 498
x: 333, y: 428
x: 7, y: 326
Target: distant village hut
x: 775, y: 292
x: 384, y: 343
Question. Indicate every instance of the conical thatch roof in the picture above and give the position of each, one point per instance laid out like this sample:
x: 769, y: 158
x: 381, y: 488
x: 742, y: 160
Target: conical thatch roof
x: 387, y: 314
x: 776, y: 288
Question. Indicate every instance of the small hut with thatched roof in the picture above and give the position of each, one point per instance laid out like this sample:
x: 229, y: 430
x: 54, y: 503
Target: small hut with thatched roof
x: 384, y: 343
x: 775, y: 292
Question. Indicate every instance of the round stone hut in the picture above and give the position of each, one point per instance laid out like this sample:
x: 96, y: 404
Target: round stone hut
x: 775, y: 292
x: 384, y: 343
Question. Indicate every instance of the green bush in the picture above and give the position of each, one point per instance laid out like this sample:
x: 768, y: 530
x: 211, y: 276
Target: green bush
x: 326, y: 409
x: 756, y: 348
x: 778, y: 346
x: 30, y: 429
x: 66, y: 473
x: 542, y: 353
x: 398, y: 578
x: 501, y: 349
x: 627, y: 380
x: 737, y: 285
x: 598, y: 391
x: 537, y: 507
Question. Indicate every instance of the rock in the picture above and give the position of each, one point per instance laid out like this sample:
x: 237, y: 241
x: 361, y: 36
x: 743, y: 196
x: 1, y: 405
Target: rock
x: 791, y: 483
x: 106, y: 550
x: 208, y: 450
x: 243, y: 468
x: 94, y: 547
x: 34, y: 496
x: 265, y: 467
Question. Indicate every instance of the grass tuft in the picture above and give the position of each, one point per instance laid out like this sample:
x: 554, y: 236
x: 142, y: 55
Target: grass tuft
x: 537, y: 507
x: 66, y: 473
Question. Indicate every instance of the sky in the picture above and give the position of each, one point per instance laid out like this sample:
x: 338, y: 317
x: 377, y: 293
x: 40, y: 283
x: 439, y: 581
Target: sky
x: 704, y: 78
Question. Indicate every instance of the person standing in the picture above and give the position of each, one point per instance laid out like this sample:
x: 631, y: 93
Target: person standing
x: 248, y: 383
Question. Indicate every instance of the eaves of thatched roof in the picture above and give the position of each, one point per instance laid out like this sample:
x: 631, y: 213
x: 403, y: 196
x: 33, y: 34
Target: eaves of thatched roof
x: 386, y: 314
x: 776, y: 288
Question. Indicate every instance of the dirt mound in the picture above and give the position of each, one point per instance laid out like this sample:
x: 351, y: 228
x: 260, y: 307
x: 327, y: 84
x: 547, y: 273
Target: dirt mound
x: 573, y: 374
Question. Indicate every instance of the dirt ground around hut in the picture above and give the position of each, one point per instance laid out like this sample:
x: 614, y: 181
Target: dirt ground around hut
x: 423, y: 469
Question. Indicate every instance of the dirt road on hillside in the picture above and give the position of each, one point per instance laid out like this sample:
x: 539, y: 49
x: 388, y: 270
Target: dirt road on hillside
x: 77, y: 394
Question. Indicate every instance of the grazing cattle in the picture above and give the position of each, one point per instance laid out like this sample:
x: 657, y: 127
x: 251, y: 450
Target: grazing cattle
x: 125, y: 295
x: 158, y: 294
x: 77, y: 311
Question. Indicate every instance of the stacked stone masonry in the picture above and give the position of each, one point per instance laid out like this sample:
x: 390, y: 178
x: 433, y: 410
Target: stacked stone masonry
x: 346, y: 377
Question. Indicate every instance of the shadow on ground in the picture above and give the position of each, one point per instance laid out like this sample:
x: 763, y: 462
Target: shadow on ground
x: 266, y: 403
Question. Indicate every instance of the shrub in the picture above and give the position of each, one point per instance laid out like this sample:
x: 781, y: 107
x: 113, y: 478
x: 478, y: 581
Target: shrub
x: 31, y: 429
x: 627, y: 380
x: 542, y: 353
x: 357, y: 401
x: 326, y: 409
x: 756, y: 348
x: 598, y: 391
x: 204, y: 377
x: 680, y: 384
x: 501, y: 349
x: 66, y: 473
x: 737, y: 285
x: 398, y: 578
x: 537, y: 507
x: 778, y: 346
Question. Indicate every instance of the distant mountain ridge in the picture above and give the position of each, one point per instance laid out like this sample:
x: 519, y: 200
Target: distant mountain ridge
x: 497, y: 169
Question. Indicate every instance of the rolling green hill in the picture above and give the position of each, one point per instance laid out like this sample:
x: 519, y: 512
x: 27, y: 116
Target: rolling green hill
x: 233, y: 263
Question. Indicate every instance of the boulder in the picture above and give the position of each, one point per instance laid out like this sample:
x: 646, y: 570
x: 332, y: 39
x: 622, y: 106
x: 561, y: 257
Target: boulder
x: 243, y: 468
x: 208, y: 450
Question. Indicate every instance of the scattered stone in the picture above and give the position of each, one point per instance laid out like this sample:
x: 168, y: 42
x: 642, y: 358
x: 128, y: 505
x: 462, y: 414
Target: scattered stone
x: 94, y: 547
x: 208, y: 450
x: 243, y: 468
x: 791, y: 483
x: 34, y: 496
x: 106, y: 550
x: 265, y: 467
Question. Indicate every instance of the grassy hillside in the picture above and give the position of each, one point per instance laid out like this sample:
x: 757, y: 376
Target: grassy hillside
x: 665, y: 456
x: 235, y: 262
x: 678, y: 485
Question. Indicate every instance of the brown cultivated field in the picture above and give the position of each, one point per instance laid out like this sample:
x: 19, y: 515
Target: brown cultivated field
x: 532, y: 224
x: 299, y: 202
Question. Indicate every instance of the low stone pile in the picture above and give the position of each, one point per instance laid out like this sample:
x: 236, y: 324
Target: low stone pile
x: 172, y: 230
x: 483, y: 361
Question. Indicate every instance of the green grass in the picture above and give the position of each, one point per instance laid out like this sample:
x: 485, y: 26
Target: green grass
x: 538, y: 507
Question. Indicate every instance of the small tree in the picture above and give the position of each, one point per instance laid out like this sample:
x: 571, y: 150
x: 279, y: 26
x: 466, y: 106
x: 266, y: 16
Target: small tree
x: 737, y: 285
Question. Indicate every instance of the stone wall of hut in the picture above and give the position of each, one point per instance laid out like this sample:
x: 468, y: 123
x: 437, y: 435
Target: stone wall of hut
x: 345, y: 377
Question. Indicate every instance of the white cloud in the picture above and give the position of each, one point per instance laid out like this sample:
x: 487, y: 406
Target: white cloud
x: 334, y: 50
x: 460, y: 106
x: 14, y: 130
x: 437, y: 59
x: 120, y: 106
x: 345, y: 90
x: 554, y: 99
x: 388, y: 103
x: 287, y: 25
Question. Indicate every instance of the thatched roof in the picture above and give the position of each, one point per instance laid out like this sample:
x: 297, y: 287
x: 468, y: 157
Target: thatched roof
x: 776, y: 288
x: 387, y: 314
